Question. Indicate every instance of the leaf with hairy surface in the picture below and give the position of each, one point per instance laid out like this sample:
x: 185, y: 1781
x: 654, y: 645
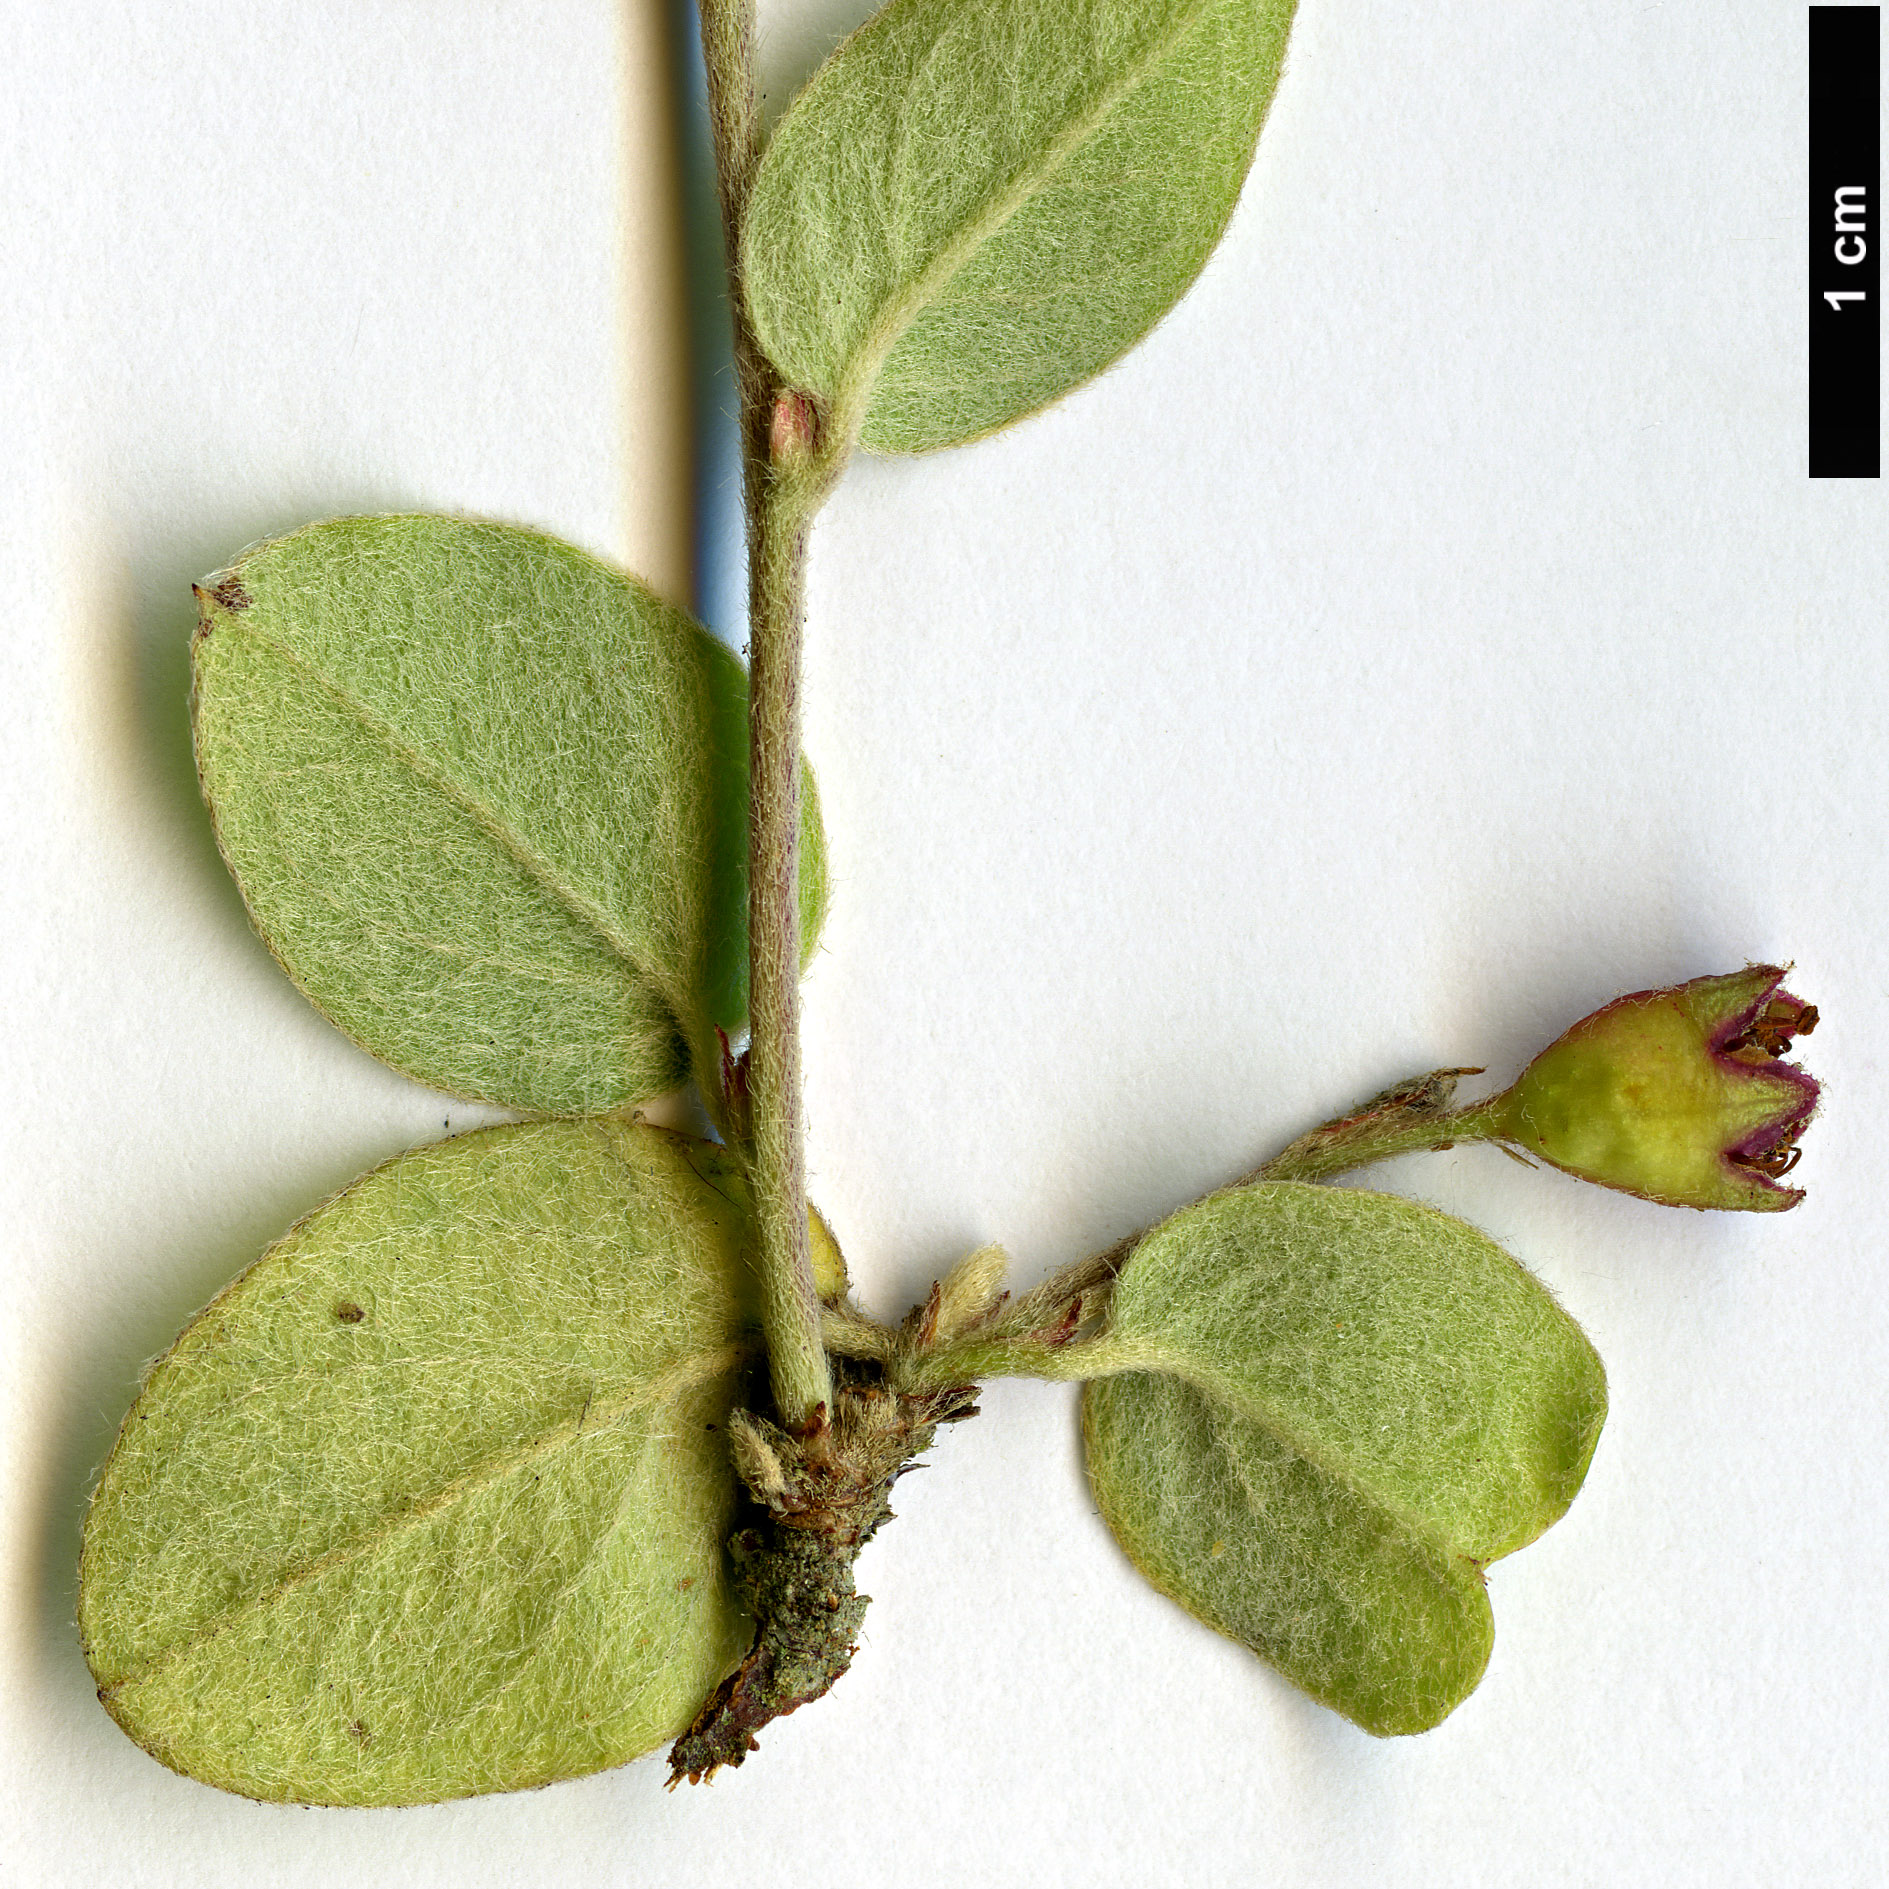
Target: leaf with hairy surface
x: 486, y: 799
x: 978, y: 204
x: 432, y: 1500
x: 1340, y: 1406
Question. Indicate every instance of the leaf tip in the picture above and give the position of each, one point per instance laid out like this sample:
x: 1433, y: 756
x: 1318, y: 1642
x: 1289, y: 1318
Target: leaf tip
x: 222, y: 599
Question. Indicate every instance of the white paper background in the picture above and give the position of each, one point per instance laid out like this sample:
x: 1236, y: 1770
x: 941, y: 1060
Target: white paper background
x: 1429, y: 633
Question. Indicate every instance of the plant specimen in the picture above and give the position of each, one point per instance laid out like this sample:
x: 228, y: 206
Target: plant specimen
x: 556, y: 1442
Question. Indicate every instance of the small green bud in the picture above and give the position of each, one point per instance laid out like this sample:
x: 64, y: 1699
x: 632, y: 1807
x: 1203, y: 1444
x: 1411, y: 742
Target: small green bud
x: 970, y: 1292
x: 829, y: 1264
x: 1676, y: 1095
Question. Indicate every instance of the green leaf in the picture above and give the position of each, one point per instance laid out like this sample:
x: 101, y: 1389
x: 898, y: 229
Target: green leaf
x: 487, y: 801
x: 978, y: 204
x: 1343, y: 1406
x: 432, y: 1500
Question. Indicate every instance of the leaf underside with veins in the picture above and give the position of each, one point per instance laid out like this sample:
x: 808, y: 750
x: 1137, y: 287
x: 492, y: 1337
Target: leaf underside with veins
x: 1348, y: 1404
x: 432, y: 1500
x: 978, y: 204
x: 486, y: 799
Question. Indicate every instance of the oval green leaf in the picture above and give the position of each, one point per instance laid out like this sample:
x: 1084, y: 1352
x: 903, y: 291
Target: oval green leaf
x: 486, y: 799
x: 1344, y: 1406
x: 432, y: 1500
x: 976, y: 205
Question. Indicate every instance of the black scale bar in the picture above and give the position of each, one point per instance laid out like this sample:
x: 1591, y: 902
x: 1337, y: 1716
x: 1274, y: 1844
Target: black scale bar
x: 1845, y: 244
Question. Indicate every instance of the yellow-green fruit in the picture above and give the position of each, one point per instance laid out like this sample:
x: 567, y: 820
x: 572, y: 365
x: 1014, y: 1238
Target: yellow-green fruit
x: 1676, y: 1095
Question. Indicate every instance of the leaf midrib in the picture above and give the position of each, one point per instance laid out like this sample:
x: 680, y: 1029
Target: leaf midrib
x: 860, y: 372
x: 1220, y: 1417
x: 597, y: 1416
x: 489, y: 822
x: 1256, y: 1409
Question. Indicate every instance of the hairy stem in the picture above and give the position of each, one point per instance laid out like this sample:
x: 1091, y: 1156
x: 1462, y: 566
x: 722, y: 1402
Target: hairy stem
x: 734, y: 116
x: 734, y: 109
x: 1061, y: 1329
x: 969, y: 1359
x: 785, y: 478
x: 791, y: 1311
x: 1377, y: 1133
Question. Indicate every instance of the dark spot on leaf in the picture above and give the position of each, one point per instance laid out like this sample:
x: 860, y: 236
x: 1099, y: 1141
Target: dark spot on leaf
x: 683, y: 1586
x: 358, y: 1732
x: 349, y: 1313
x: 231, y: 595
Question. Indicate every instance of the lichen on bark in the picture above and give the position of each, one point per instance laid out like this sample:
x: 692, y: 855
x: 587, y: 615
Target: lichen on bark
x: 820, y: 1494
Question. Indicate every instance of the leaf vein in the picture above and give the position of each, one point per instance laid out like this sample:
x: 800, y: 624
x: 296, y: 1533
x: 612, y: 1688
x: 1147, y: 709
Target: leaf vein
x: 591, y: 1422
x: 857, y: 375
x: 488, y: 821
x: 1258, y: 1411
